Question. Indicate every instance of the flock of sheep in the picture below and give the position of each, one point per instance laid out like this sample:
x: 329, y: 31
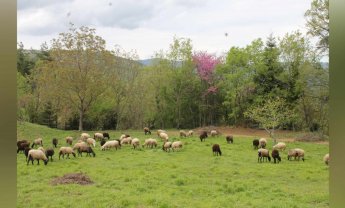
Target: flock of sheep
x: 86, y: 142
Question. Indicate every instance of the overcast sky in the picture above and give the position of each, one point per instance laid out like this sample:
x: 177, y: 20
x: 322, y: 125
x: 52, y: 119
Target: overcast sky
x: 148, y: 26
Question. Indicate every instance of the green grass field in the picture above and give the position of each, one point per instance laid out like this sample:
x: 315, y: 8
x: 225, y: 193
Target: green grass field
x: 192, y: 177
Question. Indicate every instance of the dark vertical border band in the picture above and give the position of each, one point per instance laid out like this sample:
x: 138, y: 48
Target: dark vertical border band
x: 337, y: 103
x: 8, y: 41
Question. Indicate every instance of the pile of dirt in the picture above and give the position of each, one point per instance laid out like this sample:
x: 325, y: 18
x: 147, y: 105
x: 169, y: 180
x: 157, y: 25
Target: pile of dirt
x: 73, y: 178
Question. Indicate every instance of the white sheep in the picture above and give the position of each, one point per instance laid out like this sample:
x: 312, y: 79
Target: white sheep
x: 66, y: 150
x: 37, y: 155
x: 280, y: 146
x: 296, y: 153
x: 123, y: 136
x: 111, y: 144
x: 98, y: 136
x: 183, y: 133
x: 160, y: 131
x: 167, y: 146
x: 262, y: 142
x: 91, y: 141
x: 135, y: 143
x: 126, y: 140
x: 164, y: 137
x: 79, y: 144
x: 84, y: 136
x: 326, y: 158
x: 38, y: 141
x: 214, y: 133
x: 176, y: 145
x: 262, y: 154
x: 69, y: 140
x: 150, y: 143
x: 190, y: 133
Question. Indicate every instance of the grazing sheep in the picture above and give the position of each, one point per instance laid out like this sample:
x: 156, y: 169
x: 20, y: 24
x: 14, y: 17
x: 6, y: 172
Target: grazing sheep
x: 66, y: 150
x: 256, y: 143
x: 98, y: 136
x: 84, y: 136
x: 166, y: 146
x: 126, y: 140
x: 106, y: 135
x: 164, y: 137
x: 111, y: 144
x: 79, y: 144
x: 22, y: 145
x: 147, y: 131
x: 102, y: 142
x: 36, y: 142
x: 262, y: 154
x: 37, y: 155
x: 262, y: 143
x: 190, y: 133
x: 49, y: 153
x: 183, y: 133
x: 135, y: 143
x: 229, y: 139
x: 150, y: 143
x: 86, y: 149
x: 55, y: 142
x: 69, y: 140
x: 176, y: 145
x: 26, y: 152
x: 203, y: 136
x: 160, y: 131
x: 216, y: 150
x: 124, y: 136
x: 296, y: 153
x: 91, y: 141
x: 280, y: 146
x: 326, y: 159
x: 214, y: 133
x: 275, y: 155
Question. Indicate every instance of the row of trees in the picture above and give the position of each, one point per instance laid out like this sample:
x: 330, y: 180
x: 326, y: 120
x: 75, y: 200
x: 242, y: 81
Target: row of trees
x: 77, y: 83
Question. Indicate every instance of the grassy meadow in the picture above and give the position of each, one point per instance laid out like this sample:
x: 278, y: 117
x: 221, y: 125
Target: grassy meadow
x: 192, y: 177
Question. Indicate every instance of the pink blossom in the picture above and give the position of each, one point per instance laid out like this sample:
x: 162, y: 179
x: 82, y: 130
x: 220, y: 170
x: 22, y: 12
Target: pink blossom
x: 205, y: 64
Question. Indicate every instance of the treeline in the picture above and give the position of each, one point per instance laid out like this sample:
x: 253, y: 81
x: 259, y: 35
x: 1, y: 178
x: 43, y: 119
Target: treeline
x: 75, y: 83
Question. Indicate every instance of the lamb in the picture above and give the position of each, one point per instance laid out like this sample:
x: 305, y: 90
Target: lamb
x: 280, y: 146
x: 135, y: 143
x: 22, y: 145
x: 147, y: 131
x: 164, y: 137
x: 275, y: 155
x: 262, y: 143
x: 55, y: 142
x: 150, y: 143
x: 91, y: 141
x: 98, y: 136
x: 190, y: 133
x: 296, y: 153
x: 36, y: 142
x: 84, y: 136
x: 229, y: 139
x: 106, y: 135
x: 111, y: 144
x: 86, y: 149
x: 262, y: 154
x: 126, y: 140
x: 216, y: 150
x: 183, y: 133
x: 66, y: 150
x: 214, y: 133
x: 176, y: 145
x: 166, y: 146
x: 37, y: 155
x: 203, y: 135
x: 256, y: 143
x: 49, y: 153
x: 326, y: 159
x: 69, y: 140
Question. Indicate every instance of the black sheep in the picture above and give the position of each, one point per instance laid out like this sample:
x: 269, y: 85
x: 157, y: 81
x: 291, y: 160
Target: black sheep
x: 55, y: 142
x: 275, y: 156
x: 50, y: 153
x: 216, y: 150
x: 203, y: 136
x: 256, y: 144
x: 22, y: 144
x: 88, y: 151
x: 229, y: 139
x: 26, y: 152
x: 103, y: 142
x: 147, y: 131
x: 106, y: 135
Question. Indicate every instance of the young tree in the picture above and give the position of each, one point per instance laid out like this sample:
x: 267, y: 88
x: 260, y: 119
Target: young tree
x: 269, y: 114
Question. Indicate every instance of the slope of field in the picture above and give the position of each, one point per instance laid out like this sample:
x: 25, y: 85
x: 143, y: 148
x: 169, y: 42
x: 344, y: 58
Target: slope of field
x: 192, y: 177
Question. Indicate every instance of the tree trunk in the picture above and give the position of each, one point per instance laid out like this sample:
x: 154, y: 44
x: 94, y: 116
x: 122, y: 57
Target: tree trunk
x: 81, y: 117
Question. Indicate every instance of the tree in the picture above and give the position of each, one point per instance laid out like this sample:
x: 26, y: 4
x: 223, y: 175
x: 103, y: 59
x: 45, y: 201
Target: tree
x: 271, y: 113
x: 317, y: 18
x: 77, y: 73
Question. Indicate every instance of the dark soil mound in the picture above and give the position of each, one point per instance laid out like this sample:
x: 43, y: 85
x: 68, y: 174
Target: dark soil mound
x: 70, y: 178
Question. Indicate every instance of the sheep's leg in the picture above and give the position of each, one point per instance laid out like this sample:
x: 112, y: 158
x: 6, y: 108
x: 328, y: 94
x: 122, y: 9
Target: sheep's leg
x: 38, y: 161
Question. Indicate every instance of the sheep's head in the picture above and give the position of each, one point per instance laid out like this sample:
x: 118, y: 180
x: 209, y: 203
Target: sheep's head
x: 279, y: 159
x: 46, y: 162
x: 73, y: 154
x: 269, y: 159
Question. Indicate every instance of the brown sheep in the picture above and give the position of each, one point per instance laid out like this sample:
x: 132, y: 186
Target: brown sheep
x: 147, y: 131
x: 203, y: 136
x: 216, y: 150
x: 229, y: 139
